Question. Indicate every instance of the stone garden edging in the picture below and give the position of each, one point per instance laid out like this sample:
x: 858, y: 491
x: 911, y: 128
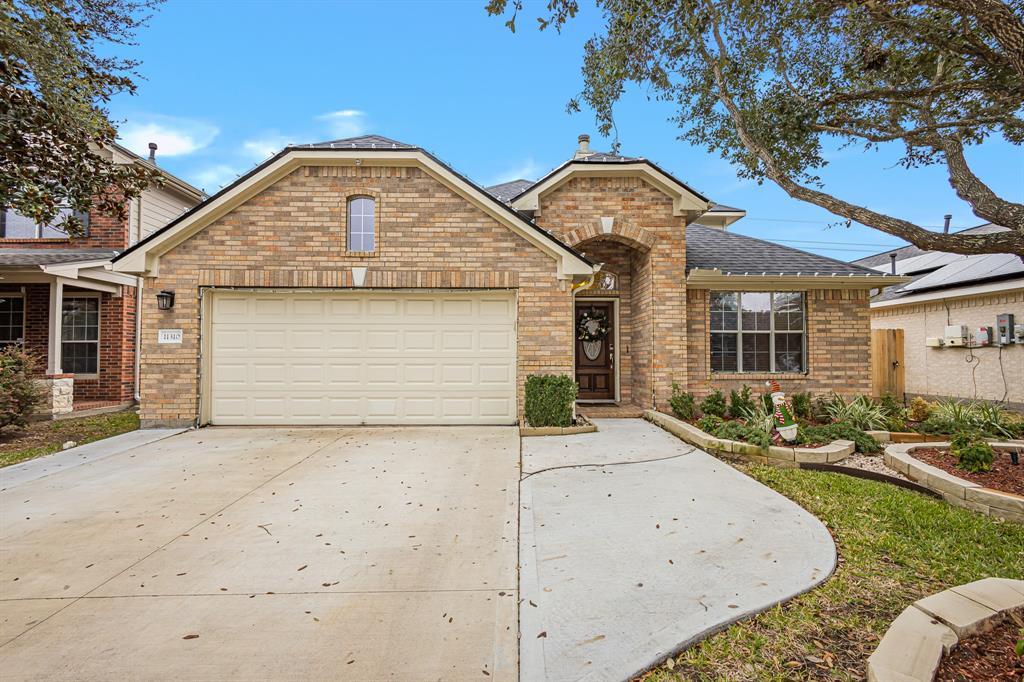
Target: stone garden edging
x: 586, y: 427
x: 955, y: 490
x: 914, y: 644
x: 783, y: 456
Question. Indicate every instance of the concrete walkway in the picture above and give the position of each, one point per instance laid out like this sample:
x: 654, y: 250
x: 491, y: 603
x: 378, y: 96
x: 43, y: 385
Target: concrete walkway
x: 305, y: 554
x: 625, y: 562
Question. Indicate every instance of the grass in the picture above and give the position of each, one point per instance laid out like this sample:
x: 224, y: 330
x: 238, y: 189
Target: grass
x: 895, y: 546
x: 43, y: 438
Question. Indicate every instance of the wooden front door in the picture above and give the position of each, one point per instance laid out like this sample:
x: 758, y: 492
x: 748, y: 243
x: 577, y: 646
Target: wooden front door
x: 595, y: 360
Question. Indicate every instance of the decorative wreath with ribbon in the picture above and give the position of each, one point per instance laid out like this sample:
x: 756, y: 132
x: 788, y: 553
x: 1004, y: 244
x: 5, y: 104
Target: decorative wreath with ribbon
x: 592, y: 325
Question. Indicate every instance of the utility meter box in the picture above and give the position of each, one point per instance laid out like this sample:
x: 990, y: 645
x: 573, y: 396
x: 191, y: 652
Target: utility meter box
x: 982, y: 336
x: 956, y: 335
x: 1004, y: 329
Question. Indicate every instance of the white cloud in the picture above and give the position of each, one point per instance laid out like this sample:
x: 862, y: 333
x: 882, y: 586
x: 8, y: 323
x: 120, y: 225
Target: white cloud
x: 173, y: 136
x: 527, y: 170
x: 345, y: 122
x: 212, y: 178
x: 263, y: 147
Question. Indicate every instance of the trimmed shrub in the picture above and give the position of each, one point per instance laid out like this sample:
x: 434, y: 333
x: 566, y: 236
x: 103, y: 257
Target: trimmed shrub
x: 826, y: 433
x: 682, y: 403
x: 710, y: 423
x: 19, y: 393
x: 549, y: 399
x: 740, y: 403
x: 802, y: 405
x: 972, y: 453
x: 920, y: 409
x: 714, y: 404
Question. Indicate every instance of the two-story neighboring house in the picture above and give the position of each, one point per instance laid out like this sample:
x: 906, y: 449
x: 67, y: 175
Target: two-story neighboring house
x: 60, y: 298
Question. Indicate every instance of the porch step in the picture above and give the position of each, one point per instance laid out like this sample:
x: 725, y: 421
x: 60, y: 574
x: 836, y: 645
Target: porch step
x: 623, y: 411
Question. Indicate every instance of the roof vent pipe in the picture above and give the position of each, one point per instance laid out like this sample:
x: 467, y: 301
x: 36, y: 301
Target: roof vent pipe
x: 892, y: 265
x: 152, y: 152
x: 945, y: 225
x: 584, y: 149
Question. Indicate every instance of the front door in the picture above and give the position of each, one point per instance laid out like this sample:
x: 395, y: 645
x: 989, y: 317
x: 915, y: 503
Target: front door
x: 595, y: 351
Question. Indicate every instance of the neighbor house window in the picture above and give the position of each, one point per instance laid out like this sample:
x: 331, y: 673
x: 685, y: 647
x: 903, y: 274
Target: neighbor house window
x: 80, y: 334
x: 361, y: 224
x: 13, y: 225
x: 12, y: 319
x: 755, y: 331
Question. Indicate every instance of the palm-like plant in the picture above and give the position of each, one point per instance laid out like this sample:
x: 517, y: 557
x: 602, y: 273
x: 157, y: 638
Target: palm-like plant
x: 860, y: 412
x: 758, y: 415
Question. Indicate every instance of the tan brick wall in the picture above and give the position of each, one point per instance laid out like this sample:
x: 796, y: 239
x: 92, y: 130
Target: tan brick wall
x: 292, y: 235
x: 838, y: 347
x: 655, y: 238
x: 992, y: 374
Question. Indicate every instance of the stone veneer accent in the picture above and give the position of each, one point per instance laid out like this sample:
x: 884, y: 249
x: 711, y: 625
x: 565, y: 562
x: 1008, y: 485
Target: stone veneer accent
x: 931, y: 627
x: 292, y: 235
x: 957, y: 491
x: 58, y: 394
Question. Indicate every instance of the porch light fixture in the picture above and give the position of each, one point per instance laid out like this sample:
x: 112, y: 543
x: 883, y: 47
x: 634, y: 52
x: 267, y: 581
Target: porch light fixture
x: 165, y: 300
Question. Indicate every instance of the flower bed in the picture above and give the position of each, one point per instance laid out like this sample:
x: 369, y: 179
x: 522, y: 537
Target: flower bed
x: 1004, y: 475
x: 955, y: 489
x: 988, y: 656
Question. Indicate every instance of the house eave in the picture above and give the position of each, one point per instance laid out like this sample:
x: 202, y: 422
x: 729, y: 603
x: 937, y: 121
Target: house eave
x: 714, y: 278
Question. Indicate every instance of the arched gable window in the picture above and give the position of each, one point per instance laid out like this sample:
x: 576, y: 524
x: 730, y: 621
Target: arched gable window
x: 361, y: 227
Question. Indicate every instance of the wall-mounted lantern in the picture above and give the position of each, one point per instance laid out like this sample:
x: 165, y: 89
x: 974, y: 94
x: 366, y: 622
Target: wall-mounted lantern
x: 165, y: 300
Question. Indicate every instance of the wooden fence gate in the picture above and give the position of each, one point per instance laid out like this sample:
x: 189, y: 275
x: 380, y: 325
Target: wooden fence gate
x: 887, y: 362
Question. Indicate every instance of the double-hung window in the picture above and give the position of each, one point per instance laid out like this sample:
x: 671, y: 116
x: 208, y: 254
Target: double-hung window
x: 80, y: 334
x: 12, y: 319
x: 758, y: 331
x: 13, y: 225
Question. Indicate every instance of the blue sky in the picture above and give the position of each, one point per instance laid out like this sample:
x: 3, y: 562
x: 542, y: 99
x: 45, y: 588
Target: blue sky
x: 228, y: 83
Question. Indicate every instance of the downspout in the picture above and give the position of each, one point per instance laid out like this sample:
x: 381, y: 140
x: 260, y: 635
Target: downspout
x: 138, y: 338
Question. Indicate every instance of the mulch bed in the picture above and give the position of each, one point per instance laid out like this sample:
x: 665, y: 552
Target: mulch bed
x: 989, y: 656
x: 1004, y: 476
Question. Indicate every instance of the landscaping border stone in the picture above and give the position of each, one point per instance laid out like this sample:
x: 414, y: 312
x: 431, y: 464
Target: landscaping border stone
x: 778, y: 455
x: 957, y: 491
x: 913, y: 646
x: 585, y: 427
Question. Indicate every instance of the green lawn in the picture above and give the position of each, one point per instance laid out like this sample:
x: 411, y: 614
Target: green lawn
x: 895, y: 546
x: 43, y: 438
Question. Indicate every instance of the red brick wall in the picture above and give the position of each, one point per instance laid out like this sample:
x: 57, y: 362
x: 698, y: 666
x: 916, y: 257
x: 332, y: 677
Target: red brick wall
x: 115, y: 381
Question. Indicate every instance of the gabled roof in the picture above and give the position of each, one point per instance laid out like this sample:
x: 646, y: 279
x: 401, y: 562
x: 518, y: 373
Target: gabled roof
x: 506, y: 190
x: 367, y: 149
x: 738, y: 256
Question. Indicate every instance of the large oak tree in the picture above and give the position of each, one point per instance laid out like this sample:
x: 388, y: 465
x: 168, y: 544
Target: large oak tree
x: 771, y: 84
x: 54, y: 84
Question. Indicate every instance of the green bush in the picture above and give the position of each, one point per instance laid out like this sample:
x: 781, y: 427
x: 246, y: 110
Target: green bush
x: 972, y: 453
x: 802, y: 405
x: 19, y: 393
x: 956, y: 416
x: 549, y: 399
x: 920, y: 409
x: 682, y: 403
x: 895, y: 413
x: 826, y: 433
x: 734, y: 430
x: 710, y: 423
x: 860, y: 412
x: 714, y: 404
x: 740, y: 403
x: 760, y: 415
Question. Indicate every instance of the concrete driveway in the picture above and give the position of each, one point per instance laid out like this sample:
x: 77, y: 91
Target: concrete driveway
x: 227, y: 553
x: 634, y: 544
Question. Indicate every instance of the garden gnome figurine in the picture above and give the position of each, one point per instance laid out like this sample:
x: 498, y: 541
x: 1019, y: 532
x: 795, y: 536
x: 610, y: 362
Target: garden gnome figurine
x: 784, y: 422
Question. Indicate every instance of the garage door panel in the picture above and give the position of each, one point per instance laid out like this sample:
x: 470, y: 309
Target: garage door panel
x: 361, y: 357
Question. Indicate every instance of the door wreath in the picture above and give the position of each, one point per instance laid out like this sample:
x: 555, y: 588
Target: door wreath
x: 592, y: 325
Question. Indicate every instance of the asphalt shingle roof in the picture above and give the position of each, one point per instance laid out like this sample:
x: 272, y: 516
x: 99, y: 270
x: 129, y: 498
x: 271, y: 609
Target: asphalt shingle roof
x: 910, y: 251
x: 360, y: 142
x: 710, y: 247
x: 32, y: 257
x: 505, y: 191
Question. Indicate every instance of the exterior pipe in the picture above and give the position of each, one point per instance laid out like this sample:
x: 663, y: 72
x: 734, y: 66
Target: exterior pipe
x: 138, y: 338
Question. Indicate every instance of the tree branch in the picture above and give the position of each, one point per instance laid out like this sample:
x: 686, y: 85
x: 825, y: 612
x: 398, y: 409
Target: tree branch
x: 1011, y: 241
x: 998, y: 20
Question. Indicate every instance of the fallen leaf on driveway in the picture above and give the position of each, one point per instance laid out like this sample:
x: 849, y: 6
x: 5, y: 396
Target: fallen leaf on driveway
x: 543, y: 634
x: 303, y: 567
x: 191, y: 637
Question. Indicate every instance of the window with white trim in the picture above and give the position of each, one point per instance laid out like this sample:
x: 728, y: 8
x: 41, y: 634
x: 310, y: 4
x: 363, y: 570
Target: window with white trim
x: 758, y: 331
x: 12, y: 319
x: 13, y: 225
x: 80, y: 334
x: 361, y: 224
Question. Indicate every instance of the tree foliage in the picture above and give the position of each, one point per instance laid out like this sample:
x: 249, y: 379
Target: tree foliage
x: 771, y: 84
x: 53, y: 124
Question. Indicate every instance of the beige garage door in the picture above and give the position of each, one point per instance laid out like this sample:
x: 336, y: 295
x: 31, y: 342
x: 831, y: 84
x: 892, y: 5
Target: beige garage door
x: 362, y: 358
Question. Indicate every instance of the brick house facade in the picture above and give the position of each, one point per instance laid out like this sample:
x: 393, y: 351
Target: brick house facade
x: 279, y: 316
x: 51, y: 280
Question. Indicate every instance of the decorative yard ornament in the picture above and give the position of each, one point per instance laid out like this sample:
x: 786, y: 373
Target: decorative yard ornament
x: 591, y: 329
x: 783, y: 415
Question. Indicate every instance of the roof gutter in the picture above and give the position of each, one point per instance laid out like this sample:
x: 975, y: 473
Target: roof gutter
x: 709, y: 278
